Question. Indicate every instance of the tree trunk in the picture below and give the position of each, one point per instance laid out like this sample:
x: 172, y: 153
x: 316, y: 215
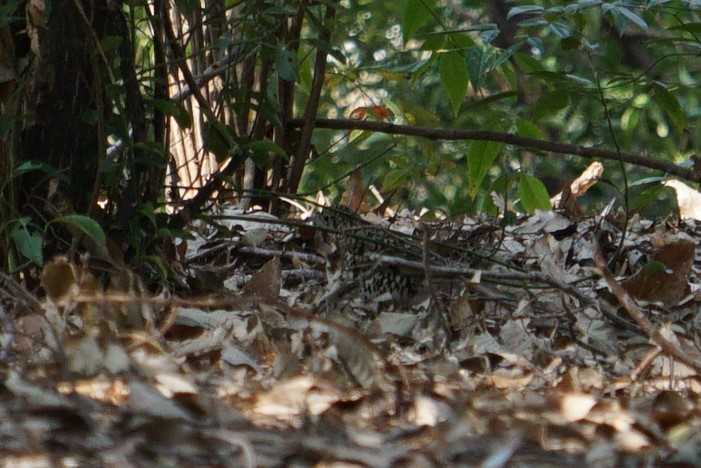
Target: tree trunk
x: 64, y: 105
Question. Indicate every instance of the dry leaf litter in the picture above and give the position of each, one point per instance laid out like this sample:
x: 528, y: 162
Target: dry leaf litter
x: 339, y: 339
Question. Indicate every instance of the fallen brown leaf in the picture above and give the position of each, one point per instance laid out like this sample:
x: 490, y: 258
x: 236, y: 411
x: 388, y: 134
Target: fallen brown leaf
x: 665, y: 277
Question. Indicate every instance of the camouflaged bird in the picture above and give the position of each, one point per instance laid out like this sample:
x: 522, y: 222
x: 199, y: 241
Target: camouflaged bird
x: 355, y: 240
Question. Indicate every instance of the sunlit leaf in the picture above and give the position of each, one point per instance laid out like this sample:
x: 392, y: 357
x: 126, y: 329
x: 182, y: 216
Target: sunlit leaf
x: 630, y: 119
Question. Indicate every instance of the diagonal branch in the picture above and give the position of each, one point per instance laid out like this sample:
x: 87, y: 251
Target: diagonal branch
x: 508, y: 138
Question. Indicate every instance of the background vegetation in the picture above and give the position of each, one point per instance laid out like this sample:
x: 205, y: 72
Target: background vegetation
x: 114, y: 111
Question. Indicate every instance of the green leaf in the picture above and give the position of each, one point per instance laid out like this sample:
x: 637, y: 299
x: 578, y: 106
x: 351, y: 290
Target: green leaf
x: 528, y: 63
x: 28, y: 241
x: 528, y: 129
x: 286, y: 64
x: 395, y: 179
x: 30, y: 166
x: 478, y: 64
x: 148, y: 212
x: 549, y: 104
x: 669, y: 103
x: 267, y: 146
x: 174, y: 109
x: 85, y: 225
x: 648, y: 197
x: 110, y: 44
x: 654, y: 267
x: 218, y: 139
x: 434, y: 42
x: 414, y: 14
x: 187, y: 6
x: 560, y: 30
x: 480, y: 159
x: 647, y: 181
x: 7, y: 123
x: 630, y: 119
x: 632, y: 17
x: 519, y: 10
x: 505, y: 55
x: 533, y: 194
x: 261, y: 150
x: 150, y: 154
x: 693, y: 28
x: 454, y: 78
x: 7, y: 13
x: 570, y: 43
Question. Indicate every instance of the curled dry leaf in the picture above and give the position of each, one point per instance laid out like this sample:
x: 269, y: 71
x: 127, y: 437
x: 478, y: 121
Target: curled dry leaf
x: 294, y: 397
x: 567, y: 199
x: 575, y: 406
x: 688, y: 199
x: 665, y: 277
x: 265, y: 283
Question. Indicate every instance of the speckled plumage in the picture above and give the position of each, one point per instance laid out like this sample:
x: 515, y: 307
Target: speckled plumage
x: 355, y: 239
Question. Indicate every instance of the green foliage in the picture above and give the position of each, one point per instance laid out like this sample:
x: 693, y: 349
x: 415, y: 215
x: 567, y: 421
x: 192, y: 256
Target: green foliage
x: 545, y: 84
x: 174, y: 109
x: 594, y: 73
x: 415, y: 13
x: 481, y: 156
x: 286, y: 64
x: 8, y: 12
x: 219, y: 140
x: 83, y: 225
x: 28, y: 240
x: 262, y: 150
x: 454, y: 78
x: 533, y: 194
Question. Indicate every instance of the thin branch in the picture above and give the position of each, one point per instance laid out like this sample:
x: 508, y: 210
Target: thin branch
x: 450, y: 134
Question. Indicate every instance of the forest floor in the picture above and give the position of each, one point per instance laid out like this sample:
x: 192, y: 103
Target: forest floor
x: 549, y: 342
